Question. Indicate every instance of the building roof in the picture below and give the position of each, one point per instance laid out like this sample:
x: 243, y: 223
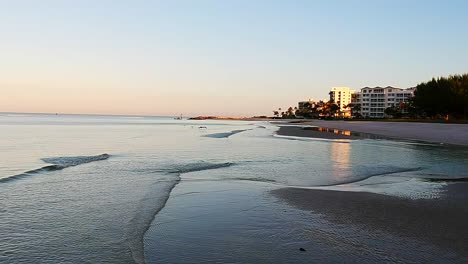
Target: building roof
x: 378, y: 87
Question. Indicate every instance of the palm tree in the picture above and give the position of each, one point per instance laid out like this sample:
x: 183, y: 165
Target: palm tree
x: 333, y: 109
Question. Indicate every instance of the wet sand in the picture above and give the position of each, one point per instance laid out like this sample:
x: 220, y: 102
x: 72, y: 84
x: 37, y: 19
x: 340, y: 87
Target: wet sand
x: 247, y: 222
x: 219, y: 221
x: 299, y: 131
x: 455, y: 134
x: 441, y: 222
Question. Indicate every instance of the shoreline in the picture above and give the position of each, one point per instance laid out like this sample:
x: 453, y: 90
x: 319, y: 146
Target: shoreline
x: 445, y: 134
x: 248, y: 221
x: 440, y: 222
x: 298, y: 131
x: 223, y: 118
x: 251, y: 223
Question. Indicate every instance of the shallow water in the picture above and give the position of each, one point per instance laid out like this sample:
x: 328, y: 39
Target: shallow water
x: 86, y: 188
x: 240, y: 222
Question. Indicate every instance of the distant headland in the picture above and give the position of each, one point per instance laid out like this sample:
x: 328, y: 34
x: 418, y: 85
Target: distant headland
x: 254, y: 118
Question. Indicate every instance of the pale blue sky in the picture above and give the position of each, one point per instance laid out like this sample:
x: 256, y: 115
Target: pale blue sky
x: 218, y: 57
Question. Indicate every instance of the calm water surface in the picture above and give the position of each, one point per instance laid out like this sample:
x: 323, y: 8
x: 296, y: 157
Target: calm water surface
x: 79, y: 189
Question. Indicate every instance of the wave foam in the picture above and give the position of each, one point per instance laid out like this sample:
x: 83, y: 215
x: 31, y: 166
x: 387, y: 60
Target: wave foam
x: 225, y: 134
x: 412, y: 188
x: 151, y: 205
x: 58, y: 163
x: 151, y: 208
x: 455, y: 179
x: 200, y: 166
x: 74, y: 161
x: 380, y: 172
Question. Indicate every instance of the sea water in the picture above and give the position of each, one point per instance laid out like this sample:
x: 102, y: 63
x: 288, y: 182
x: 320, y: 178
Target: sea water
x: 80, y: 188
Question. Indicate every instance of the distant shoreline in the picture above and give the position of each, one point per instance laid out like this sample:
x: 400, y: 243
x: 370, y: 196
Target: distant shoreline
x: 233, y: 118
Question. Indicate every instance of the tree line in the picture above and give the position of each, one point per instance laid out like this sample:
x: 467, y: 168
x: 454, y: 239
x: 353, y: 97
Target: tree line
x: 444, y: 96
x: 309, y: 110
x: 438, y: 98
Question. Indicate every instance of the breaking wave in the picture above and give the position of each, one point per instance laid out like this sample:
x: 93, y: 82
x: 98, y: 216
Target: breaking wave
x: 200, y: 166
x: 151, y: 205
x: 456, y: 179
x: 66, y: 162
x: 58, y: 163
x: 254, y: 179
x: 378, y: 173
x: 140, y: 223
x: 225, y: 134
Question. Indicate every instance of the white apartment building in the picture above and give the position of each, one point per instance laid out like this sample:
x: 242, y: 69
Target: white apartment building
x: 342, y: 97
x: 375, y: 100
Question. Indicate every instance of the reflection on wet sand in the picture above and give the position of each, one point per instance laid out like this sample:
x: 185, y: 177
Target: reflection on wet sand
x: 343, y: 132
x: 329, y: 130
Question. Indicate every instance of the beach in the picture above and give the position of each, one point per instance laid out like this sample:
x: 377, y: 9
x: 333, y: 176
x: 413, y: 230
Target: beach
x: 301, y: 131
x: 243, y: 222
x: 257, y: 223
x: 441, y: 221
x: 455, y: 134
x: 159, y: 190
x: 237, y: 132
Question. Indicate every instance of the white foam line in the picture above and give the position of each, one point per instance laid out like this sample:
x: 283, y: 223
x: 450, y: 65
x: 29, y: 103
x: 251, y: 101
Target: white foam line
x: 410, y: 188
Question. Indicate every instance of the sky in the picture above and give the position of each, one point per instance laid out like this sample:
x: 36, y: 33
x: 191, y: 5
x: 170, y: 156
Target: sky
x: 231, y: 58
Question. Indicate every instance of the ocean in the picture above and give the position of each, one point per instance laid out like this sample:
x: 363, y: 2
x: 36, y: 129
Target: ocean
x: 127, y: 189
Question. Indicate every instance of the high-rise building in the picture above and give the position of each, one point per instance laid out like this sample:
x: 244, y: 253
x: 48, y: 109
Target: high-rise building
x: 342, y: 97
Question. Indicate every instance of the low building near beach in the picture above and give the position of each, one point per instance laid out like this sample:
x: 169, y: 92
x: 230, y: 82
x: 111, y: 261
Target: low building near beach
x: 372, y: 102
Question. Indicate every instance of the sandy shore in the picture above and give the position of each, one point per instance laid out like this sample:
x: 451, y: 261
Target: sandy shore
x: 455, y: 134
x: 299, y: 131
x: 241, y: 222
x: 441, y: 222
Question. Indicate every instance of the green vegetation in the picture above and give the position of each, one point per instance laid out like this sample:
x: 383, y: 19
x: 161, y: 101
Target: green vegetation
x: 442, y: 97
x: 395, y: 111
x: 355, y: 109
x: 413, y: 120
x: 310, y: 110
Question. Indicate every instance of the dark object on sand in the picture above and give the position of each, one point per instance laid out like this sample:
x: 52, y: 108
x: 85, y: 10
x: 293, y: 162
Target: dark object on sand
x: 302, y: 249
